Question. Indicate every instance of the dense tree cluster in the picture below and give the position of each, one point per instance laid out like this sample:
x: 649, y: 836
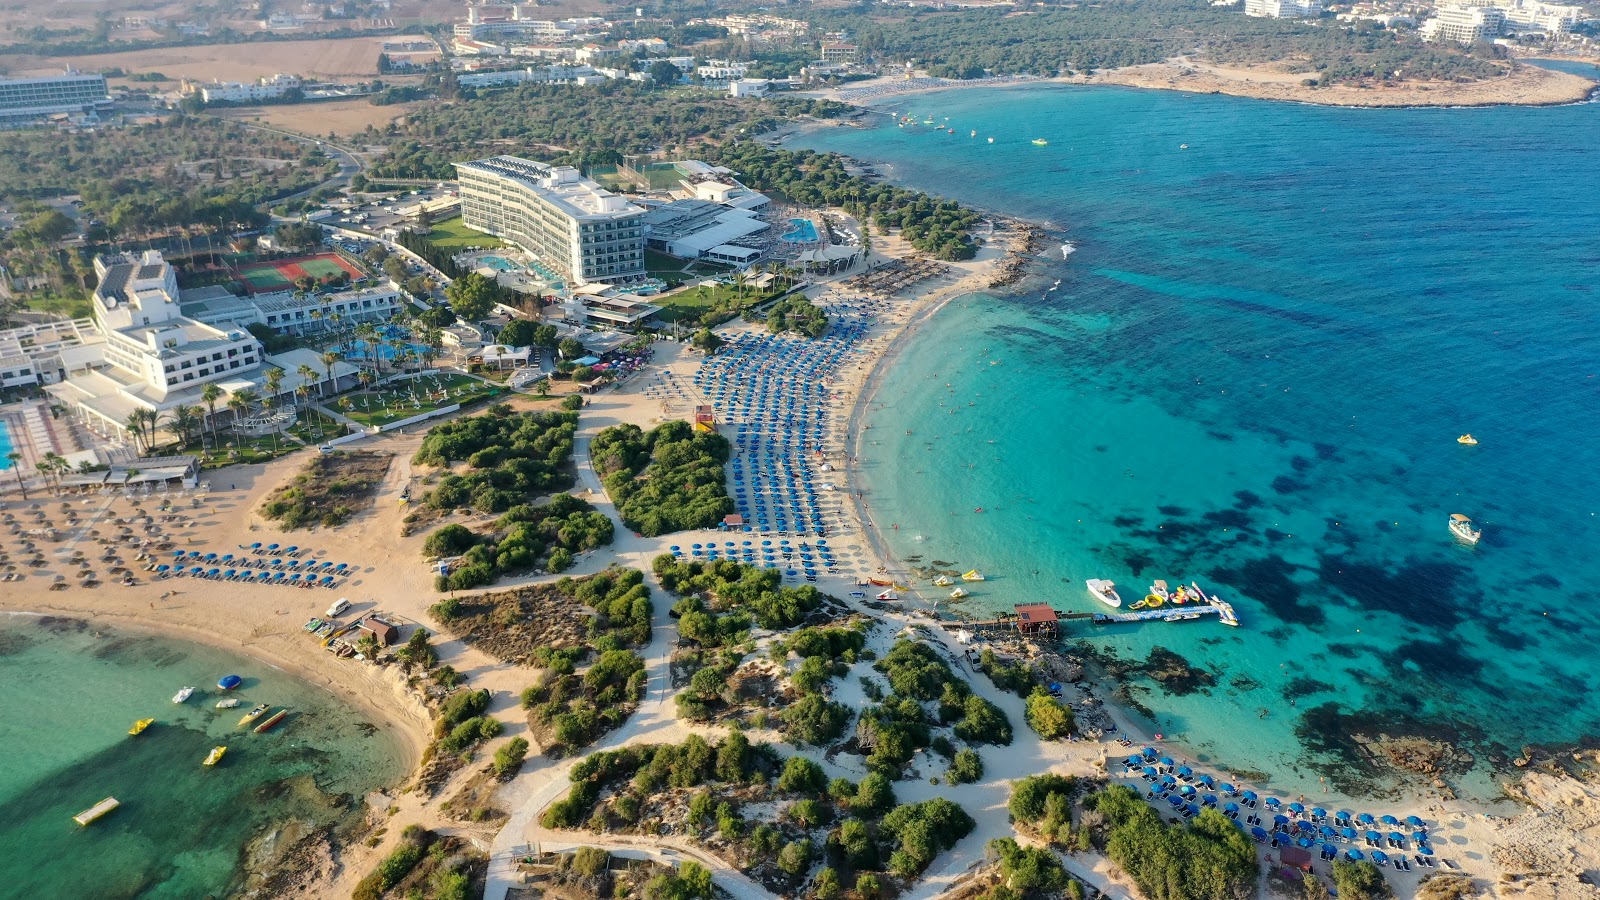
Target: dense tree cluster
x: 924, y: 830
x: 582, y: 126
x: 938, y: 227
x: 549, y: 534
x: 893, y: 730
x: 578, y: 709
x: 725, y: 586
x: 797, y: 314
x: 512, y: 457
x: 183, y: 171
x: 669, y: 479
x: 972, y: 43
x: 1042, y: 805
x: 1207, y: 858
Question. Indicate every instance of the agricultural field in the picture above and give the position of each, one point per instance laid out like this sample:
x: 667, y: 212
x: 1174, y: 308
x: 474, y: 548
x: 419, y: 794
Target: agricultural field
x: 339, y: 58
x: 338, y: 117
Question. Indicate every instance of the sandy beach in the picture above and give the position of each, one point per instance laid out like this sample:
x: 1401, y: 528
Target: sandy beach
x: 1522, y: 85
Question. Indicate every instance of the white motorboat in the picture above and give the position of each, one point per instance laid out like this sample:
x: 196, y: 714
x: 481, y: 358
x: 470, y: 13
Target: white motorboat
x: 227, y: 703
x: 1159, y: 588
x: 958, y: 593
x: 1461, y: 527
x: 1104, y: 591
x: 183, y: 695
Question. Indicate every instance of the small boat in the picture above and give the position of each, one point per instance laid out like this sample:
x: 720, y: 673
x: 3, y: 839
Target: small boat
x: 879, y: 582
x: 227, y: 703
x: 254, y: 713
x: 958, y: 593
x: 277, y: 717
x: 229, y: 682
x: 96, y: 811
x: 1040, y: 142
x: 215, y: 756
x: 183, y: 695
x: 943, y: 581
x: 1466, y: 439
x: 1105, y: 592
x: 991, y: 140
x: 974, y: 133
x: 973, y: 575
x: 140, y: 726
x: 1183, y: 146
x: 1461, y: 527
x: 949, y: 131
x: 313, y: 625
x: 1152, y: 601
x: 1159, y: 588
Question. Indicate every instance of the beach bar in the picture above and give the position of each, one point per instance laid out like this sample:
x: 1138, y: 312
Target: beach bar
x: 1036, y: 619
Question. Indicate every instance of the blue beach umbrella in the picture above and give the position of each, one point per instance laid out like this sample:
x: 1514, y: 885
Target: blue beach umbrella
x: 1257, y: 832
x: 1175, y: 801
x: 1208, y: 781
x: 1353, y: 853
x: 1166, y: 761
x: 1208, y: 800
x: 1227, y: 788
x: 1348, y: 834
x: 1274, y: 802
x: 1343, y: 814
x: 1425, y: 850
x: 1365, y: 818
x: 1389, y: 820
x: 1185, y: 771
x: 1420, y: 837
x: 1280, y: 820
x: 1380, y: 857
x: 1413, y: 821
x: 1186, y: 789
x: 1297, y: 807
x: 1397, y: 837
x: 1329, y: 850
x: 1230, y: 807
x: 1304, y: 842
x: 1318, y: 811
x: 1249, y: 795
x: 1328, y: 831
x: 1373, y: 836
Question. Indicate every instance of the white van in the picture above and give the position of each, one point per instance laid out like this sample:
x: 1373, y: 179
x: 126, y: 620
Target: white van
x: 338, y: 608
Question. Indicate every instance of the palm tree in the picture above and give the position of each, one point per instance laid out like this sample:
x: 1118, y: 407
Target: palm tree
x: 328, y: 359
x: 308, y: 376
x: 135, y: 426
x: 51, y: 467
x: 500, y: 356
x: 182, y: 418
x: 16, y: 466
x: 240, y: 403
x: 209, y: 395
x: 274, y: 381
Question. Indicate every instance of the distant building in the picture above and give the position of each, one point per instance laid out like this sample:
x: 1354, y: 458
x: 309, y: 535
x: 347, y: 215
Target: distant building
x: 1283, y: 9
x: 583, y: 231
x: 1465, y: 24
x: 261, y: 89
x: 29, y: 98
x: 721, y: 70
x: 691, y: 229
x: 749, y: 87
x: 292, y: 313
x: 1548, y: 17
x: 840, y: 53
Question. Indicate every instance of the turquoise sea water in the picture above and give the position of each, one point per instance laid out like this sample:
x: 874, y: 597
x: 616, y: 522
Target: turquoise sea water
x: 1252, y: 375
x: 69, y: 691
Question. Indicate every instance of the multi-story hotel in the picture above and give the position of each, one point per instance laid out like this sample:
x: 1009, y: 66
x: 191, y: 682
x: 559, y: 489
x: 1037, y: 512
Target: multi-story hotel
x: 23, y: 98
x: 574, y: 225
x: 1464, y: 24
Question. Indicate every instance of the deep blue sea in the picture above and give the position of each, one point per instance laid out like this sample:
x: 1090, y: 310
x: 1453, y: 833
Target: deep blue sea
x: 1253, y: 375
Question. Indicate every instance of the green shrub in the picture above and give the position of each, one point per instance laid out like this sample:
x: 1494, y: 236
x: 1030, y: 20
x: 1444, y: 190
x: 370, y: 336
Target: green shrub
x: 1047, y: 716
x: 509, y: 758
x: 966, y: 768
x: 670, y: 479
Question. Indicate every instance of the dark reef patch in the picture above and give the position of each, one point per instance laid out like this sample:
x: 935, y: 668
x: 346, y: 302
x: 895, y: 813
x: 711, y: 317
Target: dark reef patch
x: 1304, y: 686
x: 1246, y: 500
x: 1172, y: 512
x: 1427, y: 593
x: 1268, y: 580
x: 1283, y: 484
x: 1127, y: 521
x: 1300, y: 464
x: 1442, y: 659
x: 1228, y: 518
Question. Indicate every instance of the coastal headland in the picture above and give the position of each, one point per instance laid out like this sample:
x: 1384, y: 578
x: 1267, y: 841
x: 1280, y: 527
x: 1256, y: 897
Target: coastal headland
x: 1521, y: 85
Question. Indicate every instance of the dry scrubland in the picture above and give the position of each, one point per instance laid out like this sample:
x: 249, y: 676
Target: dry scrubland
x: 338, y: 58
x: 342, y: 117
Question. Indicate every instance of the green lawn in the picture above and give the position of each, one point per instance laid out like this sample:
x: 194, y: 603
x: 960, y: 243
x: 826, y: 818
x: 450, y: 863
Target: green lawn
x: 58, y: 304
x: 406, y: 399
x: 314, y: 427
x: 248, y: 450
x: 453, y: 234
x: 690, y: 302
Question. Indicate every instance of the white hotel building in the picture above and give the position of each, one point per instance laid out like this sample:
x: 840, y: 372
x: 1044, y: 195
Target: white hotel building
x: 569, y: 222
x: 152, y: 356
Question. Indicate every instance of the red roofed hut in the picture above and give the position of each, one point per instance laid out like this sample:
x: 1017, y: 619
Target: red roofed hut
x: 1037, y: 618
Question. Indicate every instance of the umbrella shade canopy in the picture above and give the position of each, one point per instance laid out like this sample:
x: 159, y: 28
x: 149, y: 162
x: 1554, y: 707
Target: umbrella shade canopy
x: 1365, y: 818
x: 1419, y: 836
x: 1186, y: 789
x: 1329, y: 849
x: 1347, y: 833
x: 1209, y: 800
x: 1175, y: 802
x: 1185, y: 771
x: 1425, y: 850
x: 1378, y: 856
x: 1259, y: 832
x: 1227, y: 788
x: 1150, y: 770
x: 1396, y: 836
x: 1280, y: 820
x: 1207, y: 780
x: 1389, y: 820
x: 1304, y: 842
x: 1168, y: 779
x: 1329, y: 831
x: 1231, y: 807
x: 1249, y: 795
x: 1413, y: 821
x: 1372, y: 836
x: 1318, y: 811
x: 1297, y: 807
x: 1353, y: 853
x: 1343, y: 814
x: 1166, y: 761
x: 1274, y: 802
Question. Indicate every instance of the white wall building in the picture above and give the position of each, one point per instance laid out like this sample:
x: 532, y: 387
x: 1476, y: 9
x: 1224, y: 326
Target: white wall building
x: 1464, y: 24
x: 249, y: 92
x: 22, y: 98
x: 286, y: 312
x: 749, y: 87
x: 1283, y: 9
x: 582, y: 230
x: 721, y: 70
x: 1548, y: 17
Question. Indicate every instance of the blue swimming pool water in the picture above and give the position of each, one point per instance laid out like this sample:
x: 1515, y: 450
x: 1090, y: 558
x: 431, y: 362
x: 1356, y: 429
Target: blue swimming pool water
x: 359, y: 350
x: 801, y: 231
x: 500, y: 264
x: 5, y: 447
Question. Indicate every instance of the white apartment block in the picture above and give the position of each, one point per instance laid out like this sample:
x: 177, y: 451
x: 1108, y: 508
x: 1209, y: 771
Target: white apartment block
x: 52, y: 95
x: 722, y: 70
x: 292, y: 312
x: 249, y: 92
x: 580, y: 229
x: 1548, y: 17
x: 1283, y: 9
x: 1464, y: 24
x: 32, y: 354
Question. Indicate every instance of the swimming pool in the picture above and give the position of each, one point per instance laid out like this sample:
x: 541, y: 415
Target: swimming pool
x: 359, y: 350
x: 5, y: 447
x: 801, y: 231
x: 500, y: 264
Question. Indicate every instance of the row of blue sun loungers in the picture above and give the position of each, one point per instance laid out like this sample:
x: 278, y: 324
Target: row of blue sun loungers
x: 773, y: 389
x: 297, y: 579
x: 1188, y: 793
x: 260, y: 549
x: 195, y: 557
x: 804, y: 556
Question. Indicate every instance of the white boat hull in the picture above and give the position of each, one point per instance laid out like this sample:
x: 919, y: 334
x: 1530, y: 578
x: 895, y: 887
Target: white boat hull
x: 1102, y: 591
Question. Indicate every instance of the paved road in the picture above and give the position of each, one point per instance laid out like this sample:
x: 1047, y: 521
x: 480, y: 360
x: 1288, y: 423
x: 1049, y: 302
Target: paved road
x: 349, y: 162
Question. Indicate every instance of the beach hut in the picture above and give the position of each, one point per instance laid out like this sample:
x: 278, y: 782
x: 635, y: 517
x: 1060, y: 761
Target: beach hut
x: 1036, y: 619
x: 1295, y: 857
x: 386, y: 633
